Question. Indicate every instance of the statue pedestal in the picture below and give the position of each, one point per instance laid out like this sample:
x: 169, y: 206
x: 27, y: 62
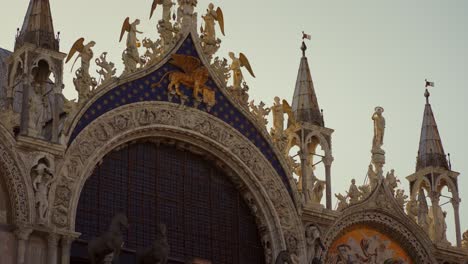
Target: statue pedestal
x: 378, y: 159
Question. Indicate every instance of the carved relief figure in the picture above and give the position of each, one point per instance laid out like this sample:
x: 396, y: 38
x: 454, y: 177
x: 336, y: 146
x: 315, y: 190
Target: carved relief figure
x: 236, y: 65
x: 131, y: 56
x: 42, y: 179
x: 314, y: 244
x: 379, y: 128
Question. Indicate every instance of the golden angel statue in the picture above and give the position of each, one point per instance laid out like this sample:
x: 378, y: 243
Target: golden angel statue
x: 209, y: 32
x: 85, y: 53
x: 131, y: 57
x: 236, y: 65
x: 166, y: 13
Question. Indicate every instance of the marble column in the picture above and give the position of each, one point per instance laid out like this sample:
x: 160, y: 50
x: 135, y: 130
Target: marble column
x: 304, y: 178
x: 22, y: 235
x: 435, y: 197
x: 456, y: 210
x: 328, y: 161
x: 52, y: 244
x: 66, y: 247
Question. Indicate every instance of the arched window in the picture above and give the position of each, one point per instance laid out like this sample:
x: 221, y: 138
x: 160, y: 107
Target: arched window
x: 205, y: 214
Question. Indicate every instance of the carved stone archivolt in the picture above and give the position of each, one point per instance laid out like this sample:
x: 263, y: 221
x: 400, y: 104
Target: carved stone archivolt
x: 262, y: 188
x: 15, y: 180
x: 381, y: 211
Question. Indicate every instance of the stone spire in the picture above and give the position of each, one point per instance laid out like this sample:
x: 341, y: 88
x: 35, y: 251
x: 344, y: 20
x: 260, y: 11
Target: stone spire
x: 431, y: 152
x: 304, y: 105
x: 38, y: 28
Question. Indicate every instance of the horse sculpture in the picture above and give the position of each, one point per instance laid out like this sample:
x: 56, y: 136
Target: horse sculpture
x: 284, y: 257
x: 109, y: 242
x: 158, y: 252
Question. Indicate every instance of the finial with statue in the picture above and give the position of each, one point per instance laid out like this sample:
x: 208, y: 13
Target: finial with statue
x: 84, y: 83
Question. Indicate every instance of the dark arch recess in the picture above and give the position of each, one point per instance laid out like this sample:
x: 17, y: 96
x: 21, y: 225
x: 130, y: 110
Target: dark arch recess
x: 155, y: 182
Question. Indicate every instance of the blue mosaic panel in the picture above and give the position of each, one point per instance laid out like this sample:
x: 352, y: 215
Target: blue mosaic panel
x: 141, y: 91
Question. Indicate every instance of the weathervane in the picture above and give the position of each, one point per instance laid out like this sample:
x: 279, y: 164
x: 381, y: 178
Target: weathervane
x: 304, y: 47
x: 427, y: 94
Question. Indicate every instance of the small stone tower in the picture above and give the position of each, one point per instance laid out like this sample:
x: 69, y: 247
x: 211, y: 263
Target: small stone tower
x: 35, y: 68
x: 308, y: 133
x: 433, y: 173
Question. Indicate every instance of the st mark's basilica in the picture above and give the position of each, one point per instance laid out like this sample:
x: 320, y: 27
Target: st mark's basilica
x: 171, y: 162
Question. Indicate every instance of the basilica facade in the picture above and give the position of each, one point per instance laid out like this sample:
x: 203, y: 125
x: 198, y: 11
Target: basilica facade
x: 171, y: 162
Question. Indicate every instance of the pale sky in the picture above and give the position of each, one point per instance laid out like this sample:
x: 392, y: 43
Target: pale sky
x: 362, y: 54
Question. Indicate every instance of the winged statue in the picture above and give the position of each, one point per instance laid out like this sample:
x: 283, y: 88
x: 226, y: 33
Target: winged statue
x: 209, y: 32
x: 85, y: 53
x: 131, y: 57
x: 236, y: 65
x: 166, y: 13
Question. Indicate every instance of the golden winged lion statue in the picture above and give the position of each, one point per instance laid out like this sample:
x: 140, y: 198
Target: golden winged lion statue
x: 193, y: 75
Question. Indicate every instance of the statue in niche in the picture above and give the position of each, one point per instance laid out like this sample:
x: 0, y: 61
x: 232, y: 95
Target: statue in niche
x: 342, y: 204
x: 158, y: 252
x: 42, y: 179
x: 131, y: 56
x: 314, y: 244
x: 353, y: 193
x: 379, y: 129
x: 83, y: 81
x: 423, y: 210
x: 110, y: 242
x: 236, y: 65
x: 437, y: 225
x: 391, y: 181
x: 37, y: 107
x: 291, y: 243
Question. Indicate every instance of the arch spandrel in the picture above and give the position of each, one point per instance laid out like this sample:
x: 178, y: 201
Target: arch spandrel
x: 137, y: 88
x: 276, y: 209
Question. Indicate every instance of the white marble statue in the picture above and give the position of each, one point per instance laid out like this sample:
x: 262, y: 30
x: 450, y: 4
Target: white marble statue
x: 317, y: 191
x: 423, y: 211
x: 42, y: 179
x: 278, y: 117
x: 391, y: 181
x: 379, y: 129
x: 314, y: 243
x: 353, y: 192
x: 37, y: 105
x: 131, y: 56
x: 373, y: 177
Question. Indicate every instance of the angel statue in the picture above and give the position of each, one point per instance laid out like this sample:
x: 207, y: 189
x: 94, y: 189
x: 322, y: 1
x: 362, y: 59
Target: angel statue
x: 209, y: 32
x: 236, y: 65
x: 131, y: 57
x: 166, y: 12
x: 83, y: 81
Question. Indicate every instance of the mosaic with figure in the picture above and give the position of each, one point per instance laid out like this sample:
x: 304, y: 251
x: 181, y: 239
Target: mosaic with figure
x: 366, y: 245
x: 153, y: 87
